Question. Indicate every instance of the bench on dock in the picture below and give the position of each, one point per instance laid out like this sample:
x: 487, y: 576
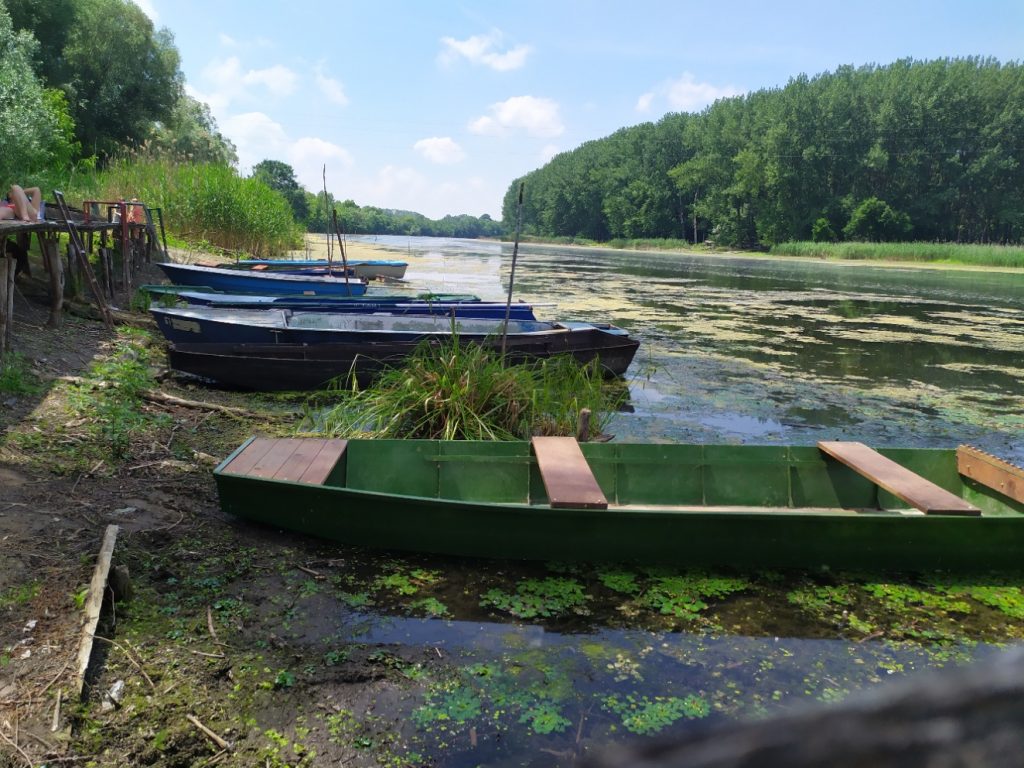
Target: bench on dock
x: 566, y: 474
x: 307, y: 460
x: 915, y: 490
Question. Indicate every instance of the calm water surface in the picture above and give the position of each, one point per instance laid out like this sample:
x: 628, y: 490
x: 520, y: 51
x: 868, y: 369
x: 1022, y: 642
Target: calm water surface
x: 732, y: 350
x: 768, y: 351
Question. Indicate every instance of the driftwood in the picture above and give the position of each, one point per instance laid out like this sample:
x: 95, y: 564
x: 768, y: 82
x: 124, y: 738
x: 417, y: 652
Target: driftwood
x: 163, y: 397
x: 93, y: 603
x: 972, y: 716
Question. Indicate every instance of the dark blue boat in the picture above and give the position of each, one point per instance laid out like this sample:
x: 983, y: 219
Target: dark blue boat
x: 245, y: 281
x: 206, y: 325
x: 368, y: 269
x: 470, y: 308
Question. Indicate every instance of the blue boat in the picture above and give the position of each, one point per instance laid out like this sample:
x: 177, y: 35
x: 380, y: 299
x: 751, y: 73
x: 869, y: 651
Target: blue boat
x: 364, y: 304
x: 368, y: 269
x: 264, y: 283
x: 207, y: 325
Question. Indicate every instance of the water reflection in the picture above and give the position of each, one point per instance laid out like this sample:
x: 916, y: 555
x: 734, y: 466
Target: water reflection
x: 763, y: 350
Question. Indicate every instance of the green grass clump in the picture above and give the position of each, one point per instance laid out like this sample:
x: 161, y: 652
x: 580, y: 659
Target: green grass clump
x: 459, y: 391
x: 15, y: 376
x: 939, y: 253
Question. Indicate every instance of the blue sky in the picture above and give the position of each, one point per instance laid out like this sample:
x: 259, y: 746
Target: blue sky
x: 436, y: 107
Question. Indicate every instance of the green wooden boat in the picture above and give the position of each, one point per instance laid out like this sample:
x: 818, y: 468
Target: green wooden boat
x: 835, y: 505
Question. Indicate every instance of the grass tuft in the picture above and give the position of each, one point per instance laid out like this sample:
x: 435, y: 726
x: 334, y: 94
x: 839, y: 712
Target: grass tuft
x: 458, y: 391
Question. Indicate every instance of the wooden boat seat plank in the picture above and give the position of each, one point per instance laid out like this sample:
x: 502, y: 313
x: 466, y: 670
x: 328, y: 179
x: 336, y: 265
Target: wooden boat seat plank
x: 322, y: 465
x: 296, y: 465
x: 275, y: 458
x: 990, y: 471
x: 247, y: 459
x: 897, y: 480
x: 566, y: 474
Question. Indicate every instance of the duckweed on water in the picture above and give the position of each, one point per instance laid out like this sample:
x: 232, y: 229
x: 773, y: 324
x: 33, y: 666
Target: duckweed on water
x: 645, y: 715
x: 535, y: 598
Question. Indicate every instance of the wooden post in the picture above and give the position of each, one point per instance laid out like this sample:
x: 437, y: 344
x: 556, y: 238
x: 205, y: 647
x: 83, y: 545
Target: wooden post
x: 6, y: 296
x: 48, y: 244
x: 93, y: 604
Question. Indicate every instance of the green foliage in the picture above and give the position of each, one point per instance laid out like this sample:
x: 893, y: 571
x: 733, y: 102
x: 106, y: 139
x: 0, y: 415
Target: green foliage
x: 110, y: 396
x: 354, y: 219
x: 539, y: 597
x: 459, y: 391
x: 201, y: 202
x: 190, y: 135
x: 280, y: 177
x: 15, y: 376
x: 33, y: 122
x: 951, y: 253
x: 20, y: 594
x: 767, y: 167
x: 646, y: 715
x: 122, y: 74
x: 874, y: 220
x: 683, y: 596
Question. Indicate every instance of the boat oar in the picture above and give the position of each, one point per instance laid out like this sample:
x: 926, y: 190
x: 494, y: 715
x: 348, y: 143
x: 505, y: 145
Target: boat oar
x: 341, y: 246
x: 512, y: 274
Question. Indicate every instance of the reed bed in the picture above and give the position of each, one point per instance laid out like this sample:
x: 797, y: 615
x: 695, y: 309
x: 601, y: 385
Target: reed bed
x: 201, y: 203
x: 459, y: 391
x: 939, y: 253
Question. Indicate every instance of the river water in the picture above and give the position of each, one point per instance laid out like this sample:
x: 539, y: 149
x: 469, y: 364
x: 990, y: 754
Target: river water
x: 760, y: 350
x: 549, y: 662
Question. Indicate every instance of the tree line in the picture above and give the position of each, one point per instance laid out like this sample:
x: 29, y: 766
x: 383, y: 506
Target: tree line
x: 914, y: 150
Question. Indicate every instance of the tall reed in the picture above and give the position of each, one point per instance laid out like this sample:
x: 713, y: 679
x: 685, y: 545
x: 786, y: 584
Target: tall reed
x: 940, y: 253
x: 201, y: 203
x: 460, y: 391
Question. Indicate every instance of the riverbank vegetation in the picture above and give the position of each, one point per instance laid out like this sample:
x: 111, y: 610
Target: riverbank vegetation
x: 460, y: 391
x: 934, y: 253
x: 911, y: 151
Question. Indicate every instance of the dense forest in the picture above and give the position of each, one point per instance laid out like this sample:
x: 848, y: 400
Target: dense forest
x: 92, y: 97
x: 928, y: 151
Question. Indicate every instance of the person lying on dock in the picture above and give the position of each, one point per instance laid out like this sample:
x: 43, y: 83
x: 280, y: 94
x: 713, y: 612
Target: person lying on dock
x: 22, y: 204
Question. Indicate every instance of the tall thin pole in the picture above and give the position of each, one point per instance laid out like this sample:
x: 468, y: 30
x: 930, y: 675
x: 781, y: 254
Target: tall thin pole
x: 341, y: 246
x: 512, y: 274
x: 330, y: 239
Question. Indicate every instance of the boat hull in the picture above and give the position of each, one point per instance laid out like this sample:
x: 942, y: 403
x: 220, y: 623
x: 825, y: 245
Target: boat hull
x: 303, y: 367
x: 681, y: 505
x: 368, y: 269
x: 247, y: 281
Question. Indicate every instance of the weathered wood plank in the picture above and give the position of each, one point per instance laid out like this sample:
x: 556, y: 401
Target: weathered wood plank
x: 897, y: 480
x: 247, y: 459
x: 566, y: 474
x: 320, y: 468
x: 991, y: 471
x: 273, y: 459
x: 93, y: 604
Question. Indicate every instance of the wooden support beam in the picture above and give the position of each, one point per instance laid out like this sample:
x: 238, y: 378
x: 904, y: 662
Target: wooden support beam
x: 6, y: 298
x: 48, y: 244
x: 917, y: 491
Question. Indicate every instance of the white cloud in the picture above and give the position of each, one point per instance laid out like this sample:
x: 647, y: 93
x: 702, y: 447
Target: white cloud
x: 227, y: 82
x: 147, y: 8
x: 687, y: 95
x: 535, y: 116
x: 309, y: 155
x: 329, y: 87
x: 643, y: 104
x: 442, y: 150
x: 481, y: 49
x: 227, y: 40
x: 257, y: 137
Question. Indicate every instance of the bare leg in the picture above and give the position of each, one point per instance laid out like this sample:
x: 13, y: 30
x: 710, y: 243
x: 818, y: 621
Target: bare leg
x: 22, y: 205
x: 6, y: 213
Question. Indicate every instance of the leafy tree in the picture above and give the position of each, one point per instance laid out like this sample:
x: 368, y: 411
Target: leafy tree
x: 49, y: 22
x: 33, y: 121
x: 875, y: 220
x: 280, y: 177
x: 122, y: 75
x: 191, y: 134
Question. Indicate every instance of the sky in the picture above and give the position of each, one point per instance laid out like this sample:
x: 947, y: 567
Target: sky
x: 438, y: 106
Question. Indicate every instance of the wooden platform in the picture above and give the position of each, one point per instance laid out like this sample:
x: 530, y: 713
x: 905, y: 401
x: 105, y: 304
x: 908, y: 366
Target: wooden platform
x: 307, y: 460
x: 566, y: 474
x: 897, y: 480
